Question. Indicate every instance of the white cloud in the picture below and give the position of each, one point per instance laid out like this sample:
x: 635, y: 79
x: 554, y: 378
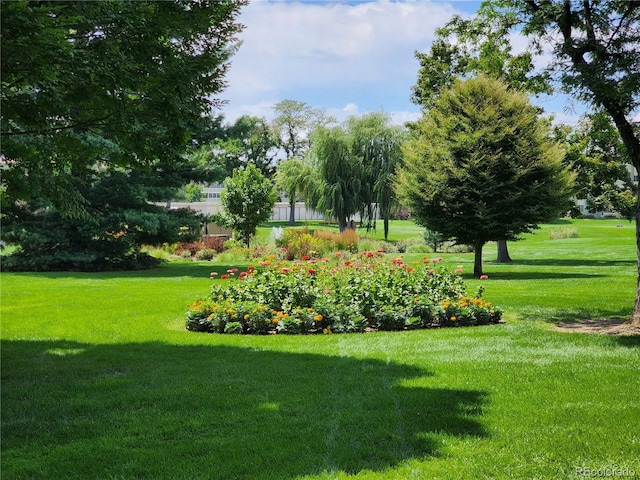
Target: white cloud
x: 330, y: 54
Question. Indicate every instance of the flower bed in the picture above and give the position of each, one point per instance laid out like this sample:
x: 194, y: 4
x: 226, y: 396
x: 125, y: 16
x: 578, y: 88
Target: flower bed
x: 345, y: 293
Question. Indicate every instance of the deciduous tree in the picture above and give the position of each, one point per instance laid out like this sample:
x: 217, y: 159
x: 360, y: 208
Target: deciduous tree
x: 117, y: 89
x: 596, y: 58
x: 248, y: 198
x: 481, y: 166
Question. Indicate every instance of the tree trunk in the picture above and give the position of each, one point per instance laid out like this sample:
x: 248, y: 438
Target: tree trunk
x: 342, y: 224
x: 292, y: 212
x: 635, y: 318
x: 503, y: 252
x: 477, y: 261
x: 386, y: 228
x: 292, y: 207
x: 612, y: 104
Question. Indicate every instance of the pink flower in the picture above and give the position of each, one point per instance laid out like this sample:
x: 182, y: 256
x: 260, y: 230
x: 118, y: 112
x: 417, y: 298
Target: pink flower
x: 436, y: 260
x: 214, y: 274
x: 484, y: 277
x: 285, y: 270
x: 312, y: 271
x: 458, y: 270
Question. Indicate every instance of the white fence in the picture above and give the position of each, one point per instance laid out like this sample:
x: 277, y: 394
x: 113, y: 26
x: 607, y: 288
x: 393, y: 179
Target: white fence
x: 281, y: 210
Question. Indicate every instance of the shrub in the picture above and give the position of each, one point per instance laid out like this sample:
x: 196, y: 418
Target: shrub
x: 419, y: 249
x: 347, y: 240
x: 207, y: 254
x: 434, y: 239
x: 347, y: 293
x: 213, y: 242
x: 564, y: 232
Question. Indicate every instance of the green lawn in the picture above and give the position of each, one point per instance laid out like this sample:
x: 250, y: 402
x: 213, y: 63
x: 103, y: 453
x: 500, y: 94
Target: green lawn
x: 101, y: 381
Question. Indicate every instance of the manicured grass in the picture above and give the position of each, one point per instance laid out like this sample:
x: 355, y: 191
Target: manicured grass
x: 100, y: 380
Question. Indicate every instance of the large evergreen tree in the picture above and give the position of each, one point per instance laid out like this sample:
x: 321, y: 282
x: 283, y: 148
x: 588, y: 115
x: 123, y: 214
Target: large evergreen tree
x: 481, y: 166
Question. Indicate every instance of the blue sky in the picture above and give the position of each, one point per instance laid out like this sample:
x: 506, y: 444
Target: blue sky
x: 348, y: 57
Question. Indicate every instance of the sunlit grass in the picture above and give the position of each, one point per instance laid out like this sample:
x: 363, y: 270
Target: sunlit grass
x: 101, y: 380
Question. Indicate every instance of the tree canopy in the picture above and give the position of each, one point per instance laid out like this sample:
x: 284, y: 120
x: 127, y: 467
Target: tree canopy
x: 106, y: 94
x: 481, y: 166
x: 102, y: 85
x: 596, y: 58
x: 248, y: 198
x: 598, y: 157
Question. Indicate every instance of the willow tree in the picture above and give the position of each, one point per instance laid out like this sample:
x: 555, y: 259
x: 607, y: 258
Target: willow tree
x: 294, y: 176
x: 339, y: 172
x: 480, y: 166
x: 377, y: 143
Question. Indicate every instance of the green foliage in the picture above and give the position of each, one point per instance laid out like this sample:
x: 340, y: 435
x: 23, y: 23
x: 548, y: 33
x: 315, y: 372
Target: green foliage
x: 355, y: 165
x: 472, y: 46
x: 480, y: 166
x: 346, y: 295
x: 249, y: 140
x: 340, y: 173
x: 294, y: 123
x: 120, y: 222
x: 377, y: 144
x: 248, y: 199
x: 108, y: 84
x: 598, y: 157
x: 296, y: 178
x: 434, y: 239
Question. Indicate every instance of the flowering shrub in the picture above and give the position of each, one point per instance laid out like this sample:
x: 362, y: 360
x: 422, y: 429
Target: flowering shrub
x: 345, y: 293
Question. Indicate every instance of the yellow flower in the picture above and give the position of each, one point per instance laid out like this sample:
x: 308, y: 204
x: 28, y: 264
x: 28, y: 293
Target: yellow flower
x: 317, y: 318
x: 453, y: 319
x: 246, y: 317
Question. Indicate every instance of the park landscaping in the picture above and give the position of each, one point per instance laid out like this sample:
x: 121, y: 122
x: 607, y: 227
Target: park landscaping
x: 101, y: 379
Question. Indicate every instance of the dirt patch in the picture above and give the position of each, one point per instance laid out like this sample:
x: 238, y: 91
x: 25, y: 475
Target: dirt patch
x: 609, y: 326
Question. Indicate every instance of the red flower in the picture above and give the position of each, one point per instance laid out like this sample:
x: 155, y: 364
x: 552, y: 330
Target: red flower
x: 312, y: 271
x: 305, y: 257
x: 224, y: 277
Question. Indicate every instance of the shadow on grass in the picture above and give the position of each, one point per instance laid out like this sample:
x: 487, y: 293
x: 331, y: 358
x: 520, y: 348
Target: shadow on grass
x: 575, y: 263
x: 167, y: 270
x: 153, y: 410
x: 560, y: 315
x: 496, y: 275
x: 631, y: 341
